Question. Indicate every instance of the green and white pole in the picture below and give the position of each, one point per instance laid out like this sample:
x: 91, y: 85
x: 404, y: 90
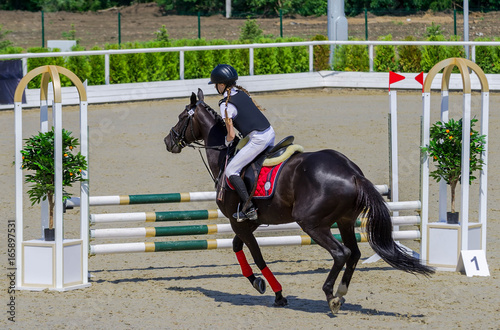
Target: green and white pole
x: 226, y: 243
x: 211, y: 244
x: 145, y: 199
x: 207, y: 215
x: 201, y: 196
x: 215, y: 229
x: 156, y: 216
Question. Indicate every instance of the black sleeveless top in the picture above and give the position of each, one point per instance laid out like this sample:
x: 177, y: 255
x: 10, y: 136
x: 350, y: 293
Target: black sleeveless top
x: 249, y: 118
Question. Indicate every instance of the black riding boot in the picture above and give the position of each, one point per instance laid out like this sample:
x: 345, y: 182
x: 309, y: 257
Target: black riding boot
x: 239, y: 186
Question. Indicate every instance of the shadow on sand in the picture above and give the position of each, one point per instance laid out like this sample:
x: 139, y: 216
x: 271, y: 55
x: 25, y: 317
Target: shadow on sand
x: 294, y: 303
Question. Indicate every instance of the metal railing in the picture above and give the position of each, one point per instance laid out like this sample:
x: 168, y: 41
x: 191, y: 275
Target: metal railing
x: 251, y: 47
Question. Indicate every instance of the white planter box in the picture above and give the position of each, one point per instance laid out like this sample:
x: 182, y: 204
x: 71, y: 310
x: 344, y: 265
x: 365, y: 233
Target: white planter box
x: 445, y: 242
x: 39, y: 265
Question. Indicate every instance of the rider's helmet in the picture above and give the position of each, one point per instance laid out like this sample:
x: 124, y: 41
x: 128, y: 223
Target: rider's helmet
x: 223, y: 74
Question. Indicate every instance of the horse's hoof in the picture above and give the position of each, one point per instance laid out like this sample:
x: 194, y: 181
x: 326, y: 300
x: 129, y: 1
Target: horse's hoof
x: 260, y: 285
x: 280, y: 302
x: 335, y: 303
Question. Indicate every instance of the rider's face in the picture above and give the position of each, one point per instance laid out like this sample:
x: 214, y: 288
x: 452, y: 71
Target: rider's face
x: 220, y: 88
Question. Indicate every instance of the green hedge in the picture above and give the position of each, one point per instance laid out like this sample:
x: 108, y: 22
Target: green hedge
x: 162, y: 66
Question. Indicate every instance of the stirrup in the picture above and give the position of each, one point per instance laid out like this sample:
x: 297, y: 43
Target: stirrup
x: 251, y: 215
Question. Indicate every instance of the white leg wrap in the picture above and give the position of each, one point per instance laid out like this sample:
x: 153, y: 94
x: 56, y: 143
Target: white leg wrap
x: 342, y: 290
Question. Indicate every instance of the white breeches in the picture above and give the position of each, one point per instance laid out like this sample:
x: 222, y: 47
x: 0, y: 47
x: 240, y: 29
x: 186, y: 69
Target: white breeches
x: 258, y: 142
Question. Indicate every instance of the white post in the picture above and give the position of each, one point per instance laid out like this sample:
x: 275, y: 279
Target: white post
x: 250, y: 60
x: 483, y: 178
x: 228, y: 8
x: 394, y: 150
x: 84, y: 189
x: 464, y: 205
x: 181, y: 65
x: 25, y: 66
x: 337, y: 23
x: 424, y: 198
x: 466, y: 26
x: 106, y: 69
x: 44, y: 127
x: 18, y: 123
x: 370, y: 57
x: 58, y: 192
x: 311, y: 58
x: 443, y: 187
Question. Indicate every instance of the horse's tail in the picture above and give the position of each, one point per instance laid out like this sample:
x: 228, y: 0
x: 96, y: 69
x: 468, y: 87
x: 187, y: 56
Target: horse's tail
x: 379, y: 230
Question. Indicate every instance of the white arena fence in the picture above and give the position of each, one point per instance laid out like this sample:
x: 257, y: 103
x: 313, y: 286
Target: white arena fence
x: 183, y: 87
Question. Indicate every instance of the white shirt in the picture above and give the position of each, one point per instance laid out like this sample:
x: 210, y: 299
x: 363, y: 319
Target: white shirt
x: 231, y: 109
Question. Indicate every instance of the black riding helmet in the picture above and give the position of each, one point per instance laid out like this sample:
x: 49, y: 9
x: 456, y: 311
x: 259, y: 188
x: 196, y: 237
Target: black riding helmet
x: 223, y: 74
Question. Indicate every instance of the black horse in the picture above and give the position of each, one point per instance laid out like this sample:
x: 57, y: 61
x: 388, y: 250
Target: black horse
x: 315, y: 189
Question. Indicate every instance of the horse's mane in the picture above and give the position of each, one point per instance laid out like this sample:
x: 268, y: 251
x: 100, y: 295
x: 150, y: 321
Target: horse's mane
x: 218, y: 118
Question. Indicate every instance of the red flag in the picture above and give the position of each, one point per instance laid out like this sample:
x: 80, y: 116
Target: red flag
x: 420, y: 79
x: 394, y: 78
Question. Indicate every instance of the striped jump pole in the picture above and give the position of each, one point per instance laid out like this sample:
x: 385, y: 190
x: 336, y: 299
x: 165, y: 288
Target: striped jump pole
x: 145, y: 199
x: 202, y: 214
x: 225, y: 243
x: 156, y: 216
x: 215, y: 229
x: 162, y: 198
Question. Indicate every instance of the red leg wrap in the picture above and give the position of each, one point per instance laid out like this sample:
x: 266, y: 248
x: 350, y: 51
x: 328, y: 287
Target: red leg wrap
x: 245, y: 267
x: 273, y: 282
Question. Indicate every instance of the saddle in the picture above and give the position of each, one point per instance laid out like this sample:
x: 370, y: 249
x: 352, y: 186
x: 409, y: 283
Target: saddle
x: 265, y: 168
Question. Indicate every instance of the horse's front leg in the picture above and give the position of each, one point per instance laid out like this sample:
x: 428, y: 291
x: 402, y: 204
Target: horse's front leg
x: 257, y: 282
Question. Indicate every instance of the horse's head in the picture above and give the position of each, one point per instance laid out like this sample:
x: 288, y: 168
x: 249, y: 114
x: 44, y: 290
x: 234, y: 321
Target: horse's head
x: 194, y: 124
x: 186, y: 130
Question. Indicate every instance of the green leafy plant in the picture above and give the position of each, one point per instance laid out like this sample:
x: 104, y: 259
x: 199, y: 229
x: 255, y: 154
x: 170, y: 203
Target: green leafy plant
x: 71, y: 34
x: 488, y: 57
x: 4, y: 42
x: 385, y: 56
x: 38, y: 156
x: 35, y: 62
x: 119, y: 68
x: 351, y: 58
x: 265, y: 60
x: 79, y: 65
x: 162, y: 34
x: 321, y: 54
x: 445, y: 149
x: 96, y: 63
x: 410, y: 57
x: 250, y: 30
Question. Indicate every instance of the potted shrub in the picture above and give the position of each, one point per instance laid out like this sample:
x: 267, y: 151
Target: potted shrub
x: 38, y: 157
x: 445, y: 149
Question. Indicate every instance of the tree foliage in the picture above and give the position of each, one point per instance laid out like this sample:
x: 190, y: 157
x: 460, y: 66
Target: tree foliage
x: 445, y: 149
x: 38, y: 158
x: 244, y: 8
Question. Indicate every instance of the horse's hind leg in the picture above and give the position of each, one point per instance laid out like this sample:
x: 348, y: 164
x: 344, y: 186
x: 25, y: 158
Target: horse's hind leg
x: 340, y: 253
x: 349, y: 240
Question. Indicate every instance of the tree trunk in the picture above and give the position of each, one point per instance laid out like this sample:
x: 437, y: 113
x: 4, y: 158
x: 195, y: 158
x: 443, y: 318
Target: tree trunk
x: 453, y: 185
x: 50, y: 198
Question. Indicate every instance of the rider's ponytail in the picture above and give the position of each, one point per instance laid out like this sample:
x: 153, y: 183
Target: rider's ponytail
x: 246, y: 92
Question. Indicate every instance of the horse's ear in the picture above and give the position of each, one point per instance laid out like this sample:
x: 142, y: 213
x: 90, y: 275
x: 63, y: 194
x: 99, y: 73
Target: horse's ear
x: 193, y: 99
x: 201, y: 97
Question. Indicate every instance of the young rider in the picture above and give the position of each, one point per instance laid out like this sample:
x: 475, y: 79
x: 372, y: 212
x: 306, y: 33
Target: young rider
x: 240, y: 112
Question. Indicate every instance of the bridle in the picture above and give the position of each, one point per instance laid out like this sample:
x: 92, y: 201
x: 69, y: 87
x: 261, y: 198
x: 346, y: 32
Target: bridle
x: 179, y: 138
